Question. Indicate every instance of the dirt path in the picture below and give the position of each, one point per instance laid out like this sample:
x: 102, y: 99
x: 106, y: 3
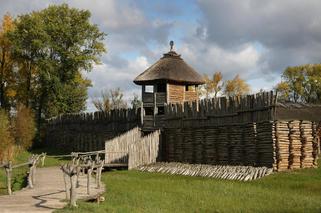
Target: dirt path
x: 46, y: 196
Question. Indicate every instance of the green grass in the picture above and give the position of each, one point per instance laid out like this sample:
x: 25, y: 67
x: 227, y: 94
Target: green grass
x: 133, y: 191
x: 19, y: 174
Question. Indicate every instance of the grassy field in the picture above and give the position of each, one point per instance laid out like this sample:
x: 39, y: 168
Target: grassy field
x: 132, y: 191
x: 19, y: 174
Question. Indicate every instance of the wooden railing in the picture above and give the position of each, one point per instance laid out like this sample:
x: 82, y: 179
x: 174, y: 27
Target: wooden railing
x: 31, y: 163
x: 77, y: 167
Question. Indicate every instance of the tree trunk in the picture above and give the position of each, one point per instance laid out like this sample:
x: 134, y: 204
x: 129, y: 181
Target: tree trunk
x: 30, y: 182
x: 9, y: 173
x: 28, y: 85
x: 88, y: 179
x: 73, y: 192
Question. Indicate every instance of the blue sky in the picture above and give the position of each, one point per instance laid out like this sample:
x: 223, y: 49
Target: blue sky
x: 256, y: 39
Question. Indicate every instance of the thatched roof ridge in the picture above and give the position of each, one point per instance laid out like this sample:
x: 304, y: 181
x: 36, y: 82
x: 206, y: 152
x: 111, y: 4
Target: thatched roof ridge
x: 170, y: 68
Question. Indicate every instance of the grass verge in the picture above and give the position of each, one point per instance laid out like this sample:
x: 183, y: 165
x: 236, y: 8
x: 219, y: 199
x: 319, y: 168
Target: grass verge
x: 133, y: 191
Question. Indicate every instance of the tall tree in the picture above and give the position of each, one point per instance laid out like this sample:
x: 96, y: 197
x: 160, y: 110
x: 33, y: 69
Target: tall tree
x: 303, y: 83
x: 212, y: 85
x: 7, y: 90
x: 54, y: 45
x: 236, y: 87
x: 6, y: 139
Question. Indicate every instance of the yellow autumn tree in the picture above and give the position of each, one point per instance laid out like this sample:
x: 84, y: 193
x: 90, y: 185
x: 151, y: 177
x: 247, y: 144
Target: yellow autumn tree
x: 24, y: 127
x: 6, y: 139
x: 7, y: 87
x: 212, y: 86
x: 283, y: 91
x: 236, y: 87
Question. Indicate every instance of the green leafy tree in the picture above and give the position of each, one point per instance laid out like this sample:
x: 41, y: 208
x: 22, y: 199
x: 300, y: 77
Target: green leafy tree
x: 301, y: 84
x: 53, y: 47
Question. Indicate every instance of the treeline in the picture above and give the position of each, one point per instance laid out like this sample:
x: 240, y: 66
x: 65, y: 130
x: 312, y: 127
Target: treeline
x: 42, y: 57
x: 215, y: 86
x: 114, y: 99
x: 301, y: 84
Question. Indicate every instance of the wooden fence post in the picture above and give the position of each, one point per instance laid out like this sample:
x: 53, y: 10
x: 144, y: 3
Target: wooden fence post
x: 30, y: 183
x: 63, y: 168
x: 71, y: 192
x: 43, y: 159
x: 89, y: 171
x: 98, y: 175
x: 73, y: 185
x: 34, y: 167
x: 8, y: 169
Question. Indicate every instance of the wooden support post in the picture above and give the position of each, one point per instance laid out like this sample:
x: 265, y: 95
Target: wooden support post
x: 8, y: 169
x: 67, y: 187
x: 34, y: 167
x: 30, y: 173
x: 89, y: 172
x: 43, y: 159
x: 73, y: 186
x: 70, y: 175
x: 98, y: 175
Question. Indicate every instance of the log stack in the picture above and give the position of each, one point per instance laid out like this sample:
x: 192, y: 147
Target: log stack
x: 316, y: 142
x: 282, y: 145
x: 307, y: 138
x: 240, y: 173
x: 295, y: 145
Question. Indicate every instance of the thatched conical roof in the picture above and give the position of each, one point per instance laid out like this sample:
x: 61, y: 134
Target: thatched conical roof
x: 170, y: 68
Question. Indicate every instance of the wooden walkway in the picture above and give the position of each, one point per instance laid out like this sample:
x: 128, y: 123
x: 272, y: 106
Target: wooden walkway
x: 46, y: 196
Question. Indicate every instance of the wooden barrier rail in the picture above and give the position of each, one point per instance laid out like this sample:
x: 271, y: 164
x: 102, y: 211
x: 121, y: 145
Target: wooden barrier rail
x: 75, y: 168
x: 32, y: 163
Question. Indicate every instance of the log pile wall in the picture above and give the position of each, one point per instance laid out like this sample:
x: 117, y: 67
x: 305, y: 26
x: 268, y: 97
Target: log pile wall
x: 238, y: 131
x: 88, y: 131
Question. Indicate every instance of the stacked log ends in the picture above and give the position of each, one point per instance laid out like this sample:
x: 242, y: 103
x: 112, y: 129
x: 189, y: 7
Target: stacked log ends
x: 295, y: 145
x: 316, y: 143
x: 282, y: 145
x: 240, y: 173
x: 307, y: 137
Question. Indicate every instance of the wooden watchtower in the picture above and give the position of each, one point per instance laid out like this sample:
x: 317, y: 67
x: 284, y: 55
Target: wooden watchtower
x: 169, y: 80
